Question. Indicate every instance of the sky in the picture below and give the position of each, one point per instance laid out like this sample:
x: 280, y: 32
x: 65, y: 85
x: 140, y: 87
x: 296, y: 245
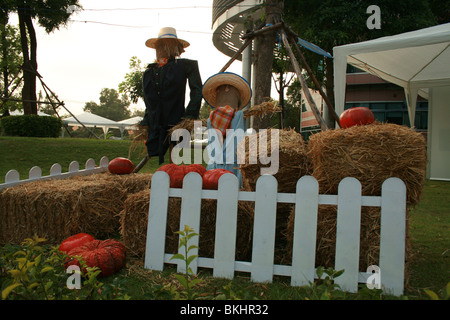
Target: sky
x: 94, y: 50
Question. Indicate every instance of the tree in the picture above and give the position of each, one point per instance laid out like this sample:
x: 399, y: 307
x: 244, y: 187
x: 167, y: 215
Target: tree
x: 264, y: 45
x: 51, y: 15
x: 111, y: 105
x: 10, y: 62
x: 331, y: 23
x: 132, y: 85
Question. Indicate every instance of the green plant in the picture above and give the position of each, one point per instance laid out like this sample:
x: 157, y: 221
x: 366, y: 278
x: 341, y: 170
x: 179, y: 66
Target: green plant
x: 325, y: 288
x: 34, y: 271
x: 31, y: 126
x: 186, y: 279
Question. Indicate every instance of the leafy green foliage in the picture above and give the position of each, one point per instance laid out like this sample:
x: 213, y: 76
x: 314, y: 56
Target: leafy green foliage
x: 34, y: 271
x: 31, y: 126
x: 112, y: 106
x: 132, y: 84
x: 185, y: 279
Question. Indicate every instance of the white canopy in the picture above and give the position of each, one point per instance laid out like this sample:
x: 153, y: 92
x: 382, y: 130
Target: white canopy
x: 92, y: 120
x: 131, y: 122
x: 418, y: 61
x: 19, y: 113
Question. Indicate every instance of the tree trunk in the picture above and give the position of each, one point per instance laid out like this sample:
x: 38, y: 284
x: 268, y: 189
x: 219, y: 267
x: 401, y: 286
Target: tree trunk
x: 29, y: 62
x: 264, y: 45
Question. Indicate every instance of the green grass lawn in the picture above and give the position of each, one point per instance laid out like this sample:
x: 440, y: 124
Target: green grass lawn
x: 24, y: 153
x: 428, y: 225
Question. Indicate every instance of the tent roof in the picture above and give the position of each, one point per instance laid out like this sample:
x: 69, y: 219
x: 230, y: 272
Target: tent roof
x: 19, y: 113
x: 415, y: 60
x: 131, y: 121
x: 91, y: 120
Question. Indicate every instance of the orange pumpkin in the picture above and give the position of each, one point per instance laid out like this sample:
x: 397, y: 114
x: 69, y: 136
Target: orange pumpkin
x: 75, y: 241
x: 108, y: 255
x: 211, y: 178
x: 356, y: 116
x: 120, y: 166
x: 177, y: 172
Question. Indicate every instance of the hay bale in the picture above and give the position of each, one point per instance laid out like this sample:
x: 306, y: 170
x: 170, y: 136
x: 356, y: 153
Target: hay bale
x: 371, y: 154
x: 133, y: 222
x: 134, y: 226
x: 293, y: 161
x: 57, y: 209
x: 130, y: 183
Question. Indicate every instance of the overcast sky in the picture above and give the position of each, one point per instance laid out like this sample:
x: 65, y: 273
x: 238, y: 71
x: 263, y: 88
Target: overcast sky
x: 78, y: 61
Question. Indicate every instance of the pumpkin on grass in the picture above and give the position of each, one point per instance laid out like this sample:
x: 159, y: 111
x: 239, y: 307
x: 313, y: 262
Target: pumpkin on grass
x: 74, y: 241
x: 108, y: 255
x: 211, y: 178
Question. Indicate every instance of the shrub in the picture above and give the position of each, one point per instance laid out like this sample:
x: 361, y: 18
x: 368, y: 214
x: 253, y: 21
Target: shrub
x: 34, y: 271
x: 31, y: 126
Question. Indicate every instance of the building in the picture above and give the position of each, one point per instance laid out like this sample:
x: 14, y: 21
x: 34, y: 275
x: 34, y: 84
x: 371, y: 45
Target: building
x: 386, y: 100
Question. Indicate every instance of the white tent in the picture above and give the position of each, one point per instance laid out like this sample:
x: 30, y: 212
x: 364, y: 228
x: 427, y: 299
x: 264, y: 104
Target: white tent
x: 19, y: 113
x: 129, y: 124
x: 92, y: 120
x: 418, y: 61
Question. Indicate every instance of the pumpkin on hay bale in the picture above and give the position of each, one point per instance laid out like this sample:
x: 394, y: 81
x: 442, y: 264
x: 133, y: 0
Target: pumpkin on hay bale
x: 134, y: 219
x: 370, y: 153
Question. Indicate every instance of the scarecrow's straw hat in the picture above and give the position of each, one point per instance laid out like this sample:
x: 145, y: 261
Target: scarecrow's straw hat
x: 226, y: 78
x: 166, y: 33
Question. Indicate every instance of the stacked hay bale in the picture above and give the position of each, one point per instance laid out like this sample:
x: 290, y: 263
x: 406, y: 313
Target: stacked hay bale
x: 57, y: 209
x: 130, y: 183
x: 371, y: 154
x: 134, y: 218
x: 293, y: 164
x: 292, y: 155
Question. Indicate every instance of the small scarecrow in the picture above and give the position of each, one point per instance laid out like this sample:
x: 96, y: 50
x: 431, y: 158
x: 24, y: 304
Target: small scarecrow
x: 164, y: 86
x: 227, y: 93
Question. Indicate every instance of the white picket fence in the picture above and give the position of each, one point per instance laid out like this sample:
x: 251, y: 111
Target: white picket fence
x: 12, y: 177
x: 302, y: 271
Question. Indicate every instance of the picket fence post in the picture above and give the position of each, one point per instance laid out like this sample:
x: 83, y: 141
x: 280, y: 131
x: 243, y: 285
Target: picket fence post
x: 305, y: 230
x: 12, y: 177
x: 306, y: 199
x: 393, y: 233
x: 264, y: 229
x: 225, y: 238
x: 347, y: 233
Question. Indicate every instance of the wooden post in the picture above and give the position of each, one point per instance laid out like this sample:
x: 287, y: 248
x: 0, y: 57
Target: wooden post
x: 305, y: 88
x: 316, y: 82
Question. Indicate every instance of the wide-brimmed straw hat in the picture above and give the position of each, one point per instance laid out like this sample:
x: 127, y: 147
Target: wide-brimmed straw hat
x: 166, y: 33
x: 226, y: 78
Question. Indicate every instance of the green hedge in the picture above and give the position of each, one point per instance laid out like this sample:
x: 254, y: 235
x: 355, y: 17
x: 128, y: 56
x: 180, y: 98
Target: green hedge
x: 31, y: 126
